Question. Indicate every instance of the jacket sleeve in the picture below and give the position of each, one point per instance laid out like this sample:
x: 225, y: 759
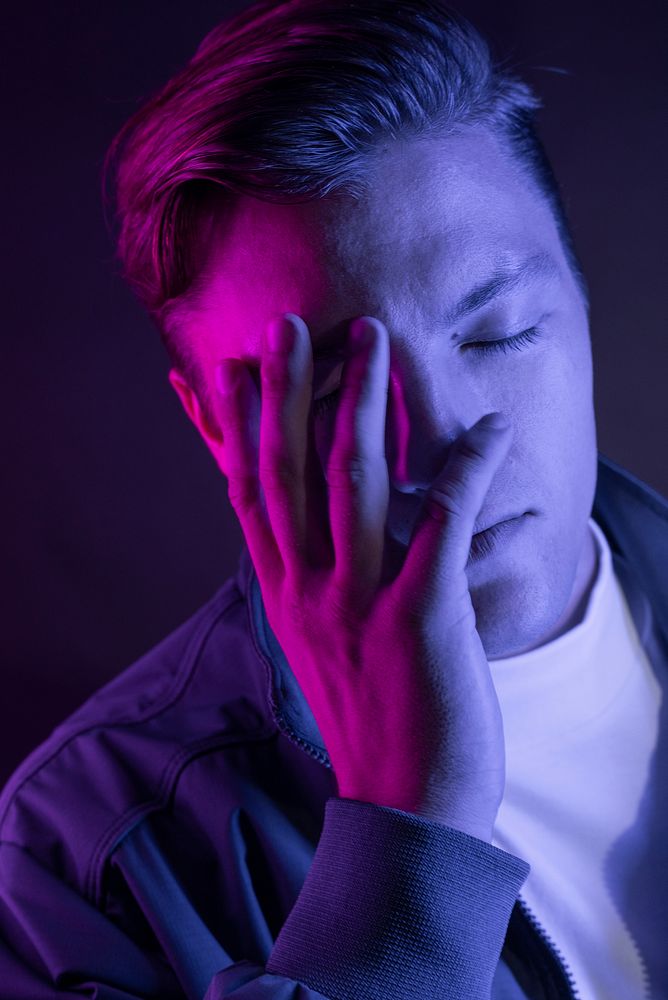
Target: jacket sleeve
x: 393, y: 906
x: 55, y: 945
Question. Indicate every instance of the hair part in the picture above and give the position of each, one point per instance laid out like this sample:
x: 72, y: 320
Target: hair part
x: 290, y: 101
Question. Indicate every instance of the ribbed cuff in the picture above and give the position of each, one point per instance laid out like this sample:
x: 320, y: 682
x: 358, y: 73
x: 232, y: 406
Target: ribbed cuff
x: 397, y: 906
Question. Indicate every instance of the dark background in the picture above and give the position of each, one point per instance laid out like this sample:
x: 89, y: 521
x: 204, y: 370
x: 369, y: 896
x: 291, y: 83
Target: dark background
x: 116, y: 524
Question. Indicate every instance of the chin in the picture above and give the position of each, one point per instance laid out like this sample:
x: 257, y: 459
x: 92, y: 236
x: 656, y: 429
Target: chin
x: 518, y: 611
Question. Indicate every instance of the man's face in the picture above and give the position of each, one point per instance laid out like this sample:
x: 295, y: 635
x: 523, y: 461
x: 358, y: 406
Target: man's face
x: 443, y: 217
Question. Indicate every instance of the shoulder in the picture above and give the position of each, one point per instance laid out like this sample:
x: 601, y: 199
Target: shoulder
x: 119, y: 754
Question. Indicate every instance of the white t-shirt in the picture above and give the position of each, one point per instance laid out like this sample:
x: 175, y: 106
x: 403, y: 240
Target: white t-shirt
x: 581, y: 722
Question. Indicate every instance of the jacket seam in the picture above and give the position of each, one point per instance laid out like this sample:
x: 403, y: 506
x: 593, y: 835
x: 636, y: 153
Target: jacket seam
x: 114, y: 832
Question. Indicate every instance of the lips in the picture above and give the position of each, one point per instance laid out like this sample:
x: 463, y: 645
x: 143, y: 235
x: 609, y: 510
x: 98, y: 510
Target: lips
x: 478, y: 529
x: 403, y: 509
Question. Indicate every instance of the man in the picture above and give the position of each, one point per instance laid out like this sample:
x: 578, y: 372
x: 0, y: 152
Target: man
x: 405, y: 751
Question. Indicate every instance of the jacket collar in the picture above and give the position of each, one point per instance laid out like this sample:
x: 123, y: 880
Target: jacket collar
x: 634, y: 519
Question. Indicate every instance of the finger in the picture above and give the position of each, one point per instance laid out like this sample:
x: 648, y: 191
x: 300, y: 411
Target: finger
x: 441, y: 540
x: 319, y: 547
x: 286, y: 376
x: 357, y: 474
x: 238, y: 406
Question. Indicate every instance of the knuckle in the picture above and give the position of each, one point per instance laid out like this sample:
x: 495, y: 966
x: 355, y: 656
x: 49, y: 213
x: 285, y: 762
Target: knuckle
x: 348, y: 470
x: 235, y: 417
x: 353, y: 386
x: 450, y: 496
x: 278, y: 473
x: 471, y: 449
x: 243, y: 493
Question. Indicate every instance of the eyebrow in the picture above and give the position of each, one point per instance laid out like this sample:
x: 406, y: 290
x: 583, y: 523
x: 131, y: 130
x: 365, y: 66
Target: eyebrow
x: 540, y: 265
x: 503, y: 279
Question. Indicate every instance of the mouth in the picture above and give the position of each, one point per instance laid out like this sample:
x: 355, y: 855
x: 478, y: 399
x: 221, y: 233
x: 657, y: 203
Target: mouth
x: 403, y: 514
x: 479, y: 530
x: 486, y: 541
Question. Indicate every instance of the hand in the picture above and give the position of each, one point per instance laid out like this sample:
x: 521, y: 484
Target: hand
x: 393, y: 669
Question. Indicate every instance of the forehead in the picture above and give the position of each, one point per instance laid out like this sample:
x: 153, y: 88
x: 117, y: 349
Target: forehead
x: 439, y: 215
x: 451, y: 209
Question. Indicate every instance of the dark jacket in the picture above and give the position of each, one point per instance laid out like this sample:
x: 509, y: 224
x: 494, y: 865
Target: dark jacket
x: 180, y: 835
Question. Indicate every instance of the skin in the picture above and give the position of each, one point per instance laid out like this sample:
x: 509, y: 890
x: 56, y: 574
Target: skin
x: 439, y: 217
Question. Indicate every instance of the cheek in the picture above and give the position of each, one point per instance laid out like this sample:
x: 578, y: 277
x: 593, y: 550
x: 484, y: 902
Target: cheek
x: 547, y: 396
x: 560, y: 413
x: 557, y: 378
x: 569, y: 384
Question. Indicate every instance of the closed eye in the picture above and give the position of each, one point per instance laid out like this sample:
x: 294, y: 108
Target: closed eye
x: 515, y: 343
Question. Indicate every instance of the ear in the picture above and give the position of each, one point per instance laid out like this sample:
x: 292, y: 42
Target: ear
x: 212, y: 436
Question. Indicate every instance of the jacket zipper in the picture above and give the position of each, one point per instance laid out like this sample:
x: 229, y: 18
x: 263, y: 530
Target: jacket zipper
x: 300, y: 742
x: 565, y: 983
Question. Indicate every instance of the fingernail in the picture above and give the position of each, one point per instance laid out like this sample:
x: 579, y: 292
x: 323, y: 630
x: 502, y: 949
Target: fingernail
x: 496, y: 421
x: 280, y: 334
x: 227, y: 378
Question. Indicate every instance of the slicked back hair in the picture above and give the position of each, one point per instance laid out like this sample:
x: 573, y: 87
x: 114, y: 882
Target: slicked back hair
x: 288, y: 102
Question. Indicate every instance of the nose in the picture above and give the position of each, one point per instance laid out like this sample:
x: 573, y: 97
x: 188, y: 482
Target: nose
x: 424, y: 419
